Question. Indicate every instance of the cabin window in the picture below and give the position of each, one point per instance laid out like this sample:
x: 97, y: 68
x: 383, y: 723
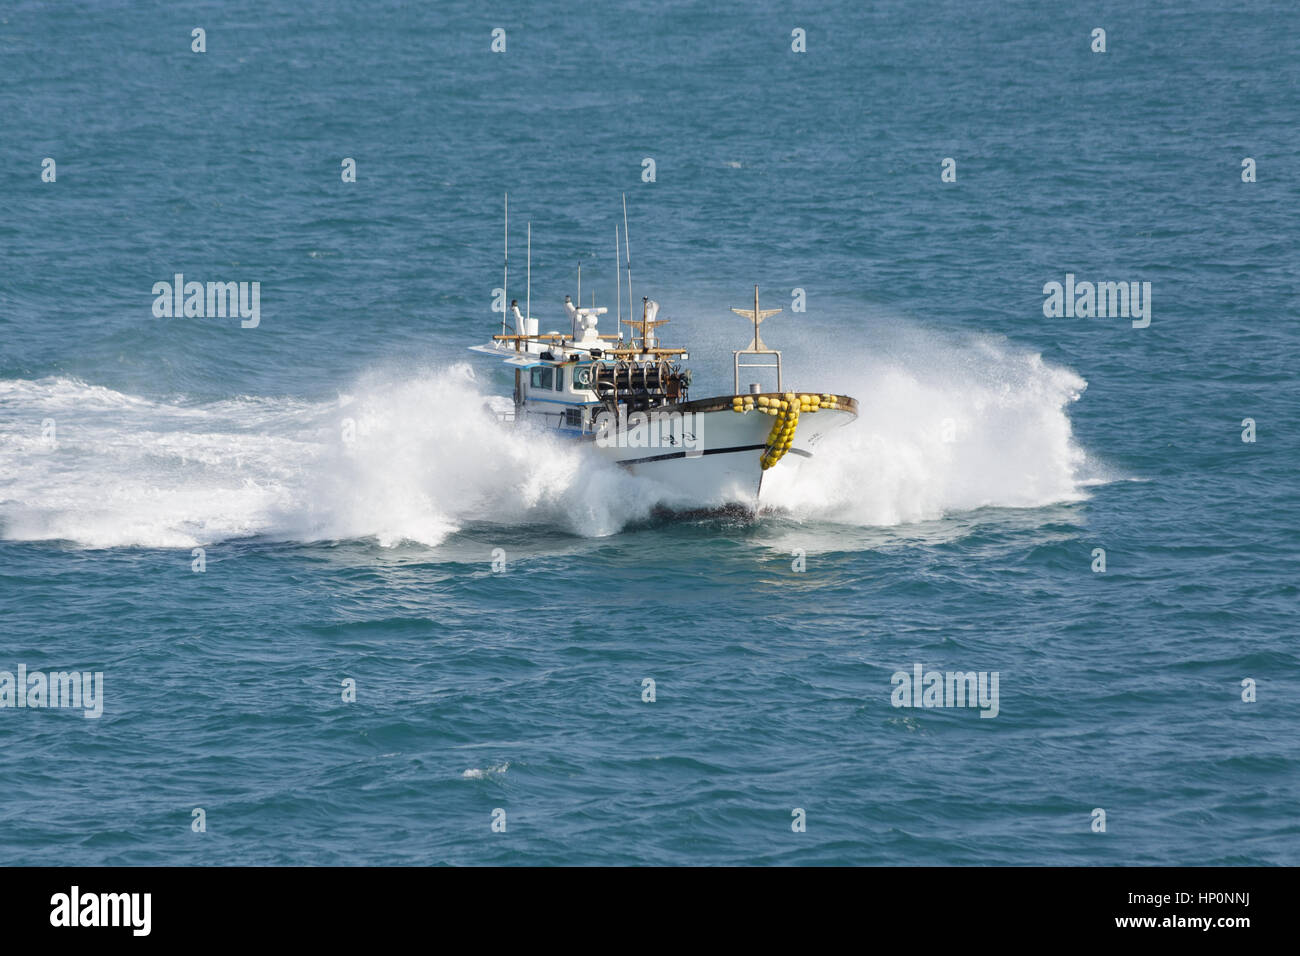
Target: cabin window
x: 573, y: 417
x: 582, y: 376
x: 559, y: 379
x: 543, y: 377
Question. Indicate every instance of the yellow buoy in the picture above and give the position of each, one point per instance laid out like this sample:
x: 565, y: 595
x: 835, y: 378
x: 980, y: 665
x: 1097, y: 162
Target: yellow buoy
x: 781, y: 438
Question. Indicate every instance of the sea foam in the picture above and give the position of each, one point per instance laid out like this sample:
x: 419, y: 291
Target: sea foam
x: 944, y: 426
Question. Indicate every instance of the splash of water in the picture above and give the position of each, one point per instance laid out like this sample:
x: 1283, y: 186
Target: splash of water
x: 395, y: 460
x: 944, y: 427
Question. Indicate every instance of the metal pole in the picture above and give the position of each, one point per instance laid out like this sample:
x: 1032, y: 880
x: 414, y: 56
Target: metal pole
x: 627, y: 249
x: 505, y: 272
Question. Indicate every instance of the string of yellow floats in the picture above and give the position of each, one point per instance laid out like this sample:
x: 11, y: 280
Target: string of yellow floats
x: 786, y: 409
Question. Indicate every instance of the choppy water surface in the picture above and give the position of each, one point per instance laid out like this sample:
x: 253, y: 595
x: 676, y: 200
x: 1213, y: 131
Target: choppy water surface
x: 953, y: 526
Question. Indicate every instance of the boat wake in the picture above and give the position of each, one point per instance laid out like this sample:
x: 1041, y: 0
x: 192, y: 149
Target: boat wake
x: 410, y: 460
x: 416, y: 458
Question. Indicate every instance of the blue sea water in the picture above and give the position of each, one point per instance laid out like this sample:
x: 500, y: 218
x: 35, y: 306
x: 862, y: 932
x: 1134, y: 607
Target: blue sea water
x: 372, y: 561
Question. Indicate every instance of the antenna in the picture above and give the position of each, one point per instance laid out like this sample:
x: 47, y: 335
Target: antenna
x: 505, y: 271
x: 572, y: 322
x: 627, y: 248
x: 528, y: 296
x: 756, y: 315
x: 618, y: 281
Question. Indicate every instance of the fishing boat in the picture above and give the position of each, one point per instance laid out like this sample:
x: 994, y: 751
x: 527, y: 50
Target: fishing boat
x: 630, y: 399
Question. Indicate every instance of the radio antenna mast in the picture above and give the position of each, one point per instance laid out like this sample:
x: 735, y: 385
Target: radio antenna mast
x: 618, y: 281
x: 528, y: 295
x: 627, y: 249
x: 505, y: 271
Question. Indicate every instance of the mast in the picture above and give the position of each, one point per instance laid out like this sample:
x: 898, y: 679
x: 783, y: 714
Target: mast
x: 505, y: 272
x: 528, y: 296
x: 627, y: 249
x: 573, y: 319
x: 756, y: 347
x: 618, y: 284
x: 757, y: 315
x: 646, y: 325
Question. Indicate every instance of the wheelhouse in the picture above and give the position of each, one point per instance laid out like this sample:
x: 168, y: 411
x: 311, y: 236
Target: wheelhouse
x: 567, y: 387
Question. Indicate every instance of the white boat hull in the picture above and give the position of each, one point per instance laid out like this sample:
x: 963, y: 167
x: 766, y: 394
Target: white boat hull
x: 707, y: 456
